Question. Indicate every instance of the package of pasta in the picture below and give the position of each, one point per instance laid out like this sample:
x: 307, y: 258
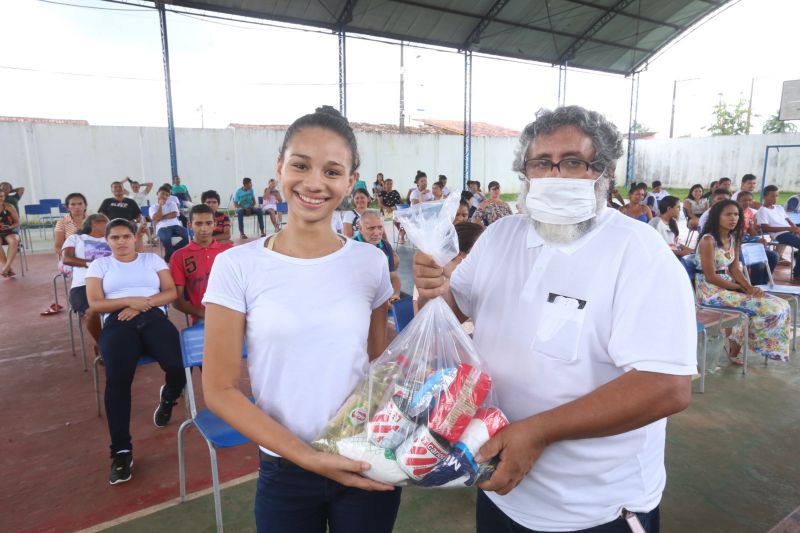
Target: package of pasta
x: 426, y: 405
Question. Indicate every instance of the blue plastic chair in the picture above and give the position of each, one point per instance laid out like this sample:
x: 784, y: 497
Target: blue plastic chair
x: 38, y: 211
x: 754, y: 254
x: 403, y: 312
x: 50, y: 204
x: 216, y: 432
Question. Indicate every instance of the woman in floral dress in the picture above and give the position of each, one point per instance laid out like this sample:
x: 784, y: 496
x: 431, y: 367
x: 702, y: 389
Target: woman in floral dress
x: 723, y: 283
x: 492, y: 208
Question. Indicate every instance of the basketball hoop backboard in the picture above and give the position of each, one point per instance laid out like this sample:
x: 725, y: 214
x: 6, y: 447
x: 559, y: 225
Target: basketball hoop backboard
x: 790, y: 101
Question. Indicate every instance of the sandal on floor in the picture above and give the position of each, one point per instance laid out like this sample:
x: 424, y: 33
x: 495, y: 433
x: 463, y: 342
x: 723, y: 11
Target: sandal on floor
x: 735, y: 360
x: 52, y: 310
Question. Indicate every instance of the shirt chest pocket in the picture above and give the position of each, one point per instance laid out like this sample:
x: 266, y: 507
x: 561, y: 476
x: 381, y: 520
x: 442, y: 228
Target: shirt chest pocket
x: 558, y: 332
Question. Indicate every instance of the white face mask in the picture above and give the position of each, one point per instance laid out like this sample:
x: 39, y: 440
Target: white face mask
x: 562, y: 200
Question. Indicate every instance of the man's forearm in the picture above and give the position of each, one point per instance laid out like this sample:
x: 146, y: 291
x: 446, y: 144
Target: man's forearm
x: 631, y: 401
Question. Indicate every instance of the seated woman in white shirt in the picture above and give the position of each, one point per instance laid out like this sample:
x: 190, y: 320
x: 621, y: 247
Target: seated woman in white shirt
x: 312, y: 307
x: 272, y: 197
x: 666, y: 224
x: 130, y: 289
x: 436, y: 190
x: 78, y: 252
x: 351, y: 220
x: 421, y: 193
x: 165, y: 217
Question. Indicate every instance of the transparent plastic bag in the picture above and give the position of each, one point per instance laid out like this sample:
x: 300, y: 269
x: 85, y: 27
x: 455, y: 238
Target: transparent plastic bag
x: 426, y: 405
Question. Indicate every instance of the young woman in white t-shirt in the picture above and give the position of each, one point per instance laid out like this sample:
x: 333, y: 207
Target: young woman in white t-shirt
x: 666, y: 224
x: 312, y: 307
x: 78, y: 252
x: 130, y: 288
x: 421, y: 193
x: 269, y: 204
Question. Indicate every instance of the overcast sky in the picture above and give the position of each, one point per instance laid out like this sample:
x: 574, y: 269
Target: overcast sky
x: 103, y: 63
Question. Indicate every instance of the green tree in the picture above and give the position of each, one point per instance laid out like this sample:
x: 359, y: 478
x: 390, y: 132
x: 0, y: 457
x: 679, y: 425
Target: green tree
x: 730, y: 119
x: 776, y: 125
x: 640, y: 128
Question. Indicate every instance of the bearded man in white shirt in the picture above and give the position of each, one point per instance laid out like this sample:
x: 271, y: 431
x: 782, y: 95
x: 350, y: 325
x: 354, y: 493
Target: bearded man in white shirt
x: 556, y: 325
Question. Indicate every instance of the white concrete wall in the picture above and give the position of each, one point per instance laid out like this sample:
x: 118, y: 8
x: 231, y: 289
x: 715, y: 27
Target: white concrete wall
x: 684, y: 162
x: 51, y: 161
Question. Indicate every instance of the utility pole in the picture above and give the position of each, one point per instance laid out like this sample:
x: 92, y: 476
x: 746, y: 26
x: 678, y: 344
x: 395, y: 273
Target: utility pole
x: 750, y: 105
x: 674, y: 94
x: 402, y: 94
x: 672, y: 115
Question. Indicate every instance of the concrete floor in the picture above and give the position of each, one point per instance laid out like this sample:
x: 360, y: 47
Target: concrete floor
x: 731, y: 460
x: 732, y: 464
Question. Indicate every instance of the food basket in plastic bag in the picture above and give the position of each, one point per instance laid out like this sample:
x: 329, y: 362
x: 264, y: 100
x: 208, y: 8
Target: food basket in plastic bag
x: 425, y: 406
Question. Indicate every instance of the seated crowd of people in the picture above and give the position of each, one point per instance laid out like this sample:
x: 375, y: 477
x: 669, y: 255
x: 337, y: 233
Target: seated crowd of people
x: 121, y: 291
x: 724, y: 221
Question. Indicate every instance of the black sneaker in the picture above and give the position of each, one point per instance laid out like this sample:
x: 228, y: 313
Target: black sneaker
x: 121, y: 468
x: 163, y: 412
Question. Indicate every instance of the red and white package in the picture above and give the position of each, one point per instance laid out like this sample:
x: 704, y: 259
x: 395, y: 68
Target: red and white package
x: 459, y: 403
x: 421, y: 453
x: 390, y: 426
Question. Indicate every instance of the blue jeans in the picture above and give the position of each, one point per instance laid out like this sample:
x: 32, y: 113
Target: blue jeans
x: 165, y: 236
x: 490, y: 519
x: 248, y: 211
x: 790, y: 239
x: 292, y: 500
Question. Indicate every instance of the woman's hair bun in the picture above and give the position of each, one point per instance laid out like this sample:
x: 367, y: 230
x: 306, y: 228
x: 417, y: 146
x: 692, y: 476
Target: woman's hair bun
x: 330, y: 111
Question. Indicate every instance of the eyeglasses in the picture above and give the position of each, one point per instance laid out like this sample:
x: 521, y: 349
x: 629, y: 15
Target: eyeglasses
x: 567, y: 168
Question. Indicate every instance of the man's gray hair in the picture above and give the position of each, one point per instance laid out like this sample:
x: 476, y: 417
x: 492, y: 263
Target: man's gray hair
x: 372, y: 213
x: 605, y: 136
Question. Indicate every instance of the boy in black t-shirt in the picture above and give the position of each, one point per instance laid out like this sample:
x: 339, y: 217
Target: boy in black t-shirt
x: 118, y: 206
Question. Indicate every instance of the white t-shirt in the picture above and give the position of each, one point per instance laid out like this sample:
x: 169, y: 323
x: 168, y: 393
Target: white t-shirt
x: 703, y: 219
x: 336, y: 222
x: 349, y: 216
x: 445, y: 191
x: 476, y: 200
x: 417, y: 195
x: 307, y: 322
x: 663, y: 230
x: 553, y: 324
x: 775, y: 217
x: 122, y: 280
x: 169, y: 207
x: 86, y: 247
x: 140, y: 197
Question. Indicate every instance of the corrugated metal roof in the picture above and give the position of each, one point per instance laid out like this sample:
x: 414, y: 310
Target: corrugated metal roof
x: 617, y: 36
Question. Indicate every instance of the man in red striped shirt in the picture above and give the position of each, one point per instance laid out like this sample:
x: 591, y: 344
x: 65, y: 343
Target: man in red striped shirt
x: 190, y: 266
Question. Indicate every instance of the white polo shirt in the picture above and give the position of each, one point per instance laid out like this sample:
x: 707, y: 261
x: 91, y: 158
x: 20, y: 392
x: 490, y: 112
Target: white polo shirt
x: 555, y: 323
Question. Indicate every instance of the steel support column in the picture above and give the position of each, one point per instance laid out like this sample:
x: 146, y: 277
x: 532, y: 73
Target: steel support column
x: 467, y: 116
x: 562, y: 84
x: 630, y: 167
x: 342, y: 74
x: 173, y: 157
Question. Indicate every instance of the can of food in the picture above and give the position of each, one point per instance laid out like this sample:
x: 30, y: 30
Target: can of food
x: 390, y: 426
x: 421, y: 453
